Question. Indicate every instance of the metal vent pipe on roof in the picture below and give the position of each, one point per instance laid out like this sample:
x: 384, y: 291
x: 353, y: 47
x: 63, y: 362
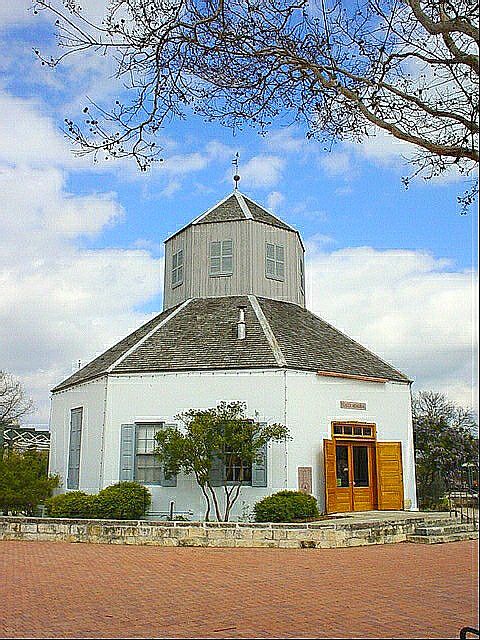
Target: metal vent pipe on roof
x: 241, y: 325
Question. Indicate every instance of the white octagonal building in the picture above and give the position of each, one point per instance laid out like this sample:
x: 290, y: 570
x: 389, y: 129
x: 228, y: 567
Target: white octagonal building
x: 234, y: 327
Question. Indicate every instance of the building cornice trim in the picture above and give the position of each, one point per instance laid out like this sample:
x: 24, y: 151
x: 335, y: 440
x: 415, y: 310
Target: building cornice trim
x: 353, y: 376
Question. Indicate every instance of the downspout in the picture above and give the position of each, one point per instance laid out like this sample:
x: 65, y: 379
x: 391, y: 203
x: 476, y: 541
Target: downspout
x: 285, y: 423
x: 102, y: 441
x: 411, y: 443
x: 50, y: 413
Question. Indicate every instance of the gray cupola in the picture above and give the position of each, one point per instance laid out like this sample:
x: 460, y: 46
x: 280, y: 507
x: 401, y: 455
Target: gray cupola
x: 235, y: 248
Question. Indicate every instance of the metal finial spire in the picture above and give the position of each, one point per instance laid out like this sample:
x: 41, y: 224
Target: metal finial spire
x: 236, y: 177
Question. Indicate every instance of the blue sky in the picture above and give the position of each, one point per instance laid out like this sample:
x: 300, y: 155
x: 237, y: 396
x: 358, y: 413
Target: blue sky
x: 82, y: 243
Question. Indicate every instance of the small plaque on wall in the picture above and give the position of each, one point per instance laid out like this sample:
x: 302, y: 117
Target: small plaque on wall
x: 360, y: 406
x: 305, y: 479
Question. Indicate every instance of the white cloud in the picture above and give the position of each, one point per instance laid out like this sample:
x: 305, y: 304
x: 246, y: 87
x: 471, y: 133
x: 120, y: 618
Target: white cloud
x: 274, y: 200
x: 337, y: 163
x: 29, y: 136
x: 407, y: 306
x: 289, y: 139
x: 17, y: 12
x: 262, y: 171
x: 60, y: 302
x: 181, y: 164
x: 383, y: 148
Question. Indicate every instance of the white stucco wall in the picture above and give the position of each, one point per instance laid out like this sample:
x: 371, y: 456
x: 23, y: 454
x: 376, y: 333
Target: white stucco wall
x: 90, y: 396
x: 305, y: 402
x: 161, y: 396
x: 314, y: 403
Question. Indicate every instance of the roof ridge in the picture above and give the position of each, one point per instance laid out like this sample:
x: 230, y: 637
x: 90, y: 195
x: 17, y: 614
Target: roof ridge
x: 268, y: 332
x: 162, y: 323
x: 243, y: 205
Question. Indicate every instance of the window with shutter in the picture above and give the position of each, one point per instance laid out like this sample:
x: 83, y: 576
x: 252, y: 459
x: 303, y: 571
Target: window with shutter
x: 137, y: 459
x: 74, y: 447
x: 221, y: 258
x: 127, y: 452
x: 177, y: 268
x: 259, y: 469
x: 274, y: 261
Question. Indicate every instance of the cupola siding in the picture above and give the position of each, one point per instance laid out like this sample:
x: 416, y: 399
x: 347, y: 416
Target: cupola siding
x: 240, y: 263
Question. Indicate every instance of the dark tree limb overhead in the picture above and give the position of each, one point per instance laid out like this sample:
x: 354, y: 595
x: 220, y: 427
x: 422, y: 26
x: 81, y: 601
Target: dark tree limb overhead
x: 406, y: 67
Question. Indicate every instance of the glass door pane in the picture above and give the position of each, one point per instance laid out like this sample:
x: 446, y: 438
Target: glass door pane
x: 360, y: 466
x: 341, y: 453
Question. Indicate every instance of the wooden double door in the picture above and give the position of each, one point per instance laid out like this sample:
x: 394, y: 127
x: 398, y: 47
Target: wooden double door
x: 362, y: 475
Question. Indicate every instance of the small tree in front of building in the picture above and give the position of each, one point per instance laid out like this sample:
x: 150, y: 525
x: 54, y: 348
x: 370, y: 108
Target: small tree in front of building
x: 218, y: 446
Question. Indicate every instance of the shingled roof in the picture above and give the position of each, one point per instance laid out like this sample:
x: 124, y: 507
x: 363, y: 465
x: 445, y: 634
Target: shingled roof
x: 237, y: 206
x: 200, y: 334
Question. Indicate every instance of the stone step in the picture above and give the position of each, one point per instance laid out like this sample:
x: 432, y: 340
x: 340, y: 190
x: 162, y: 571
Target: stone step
x: 436, y: 539
x: 445, y: 529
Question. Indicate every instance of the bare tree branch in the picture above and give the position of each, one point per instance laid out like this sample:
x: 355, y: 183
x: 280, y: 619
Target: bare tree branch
x: 407, y: 67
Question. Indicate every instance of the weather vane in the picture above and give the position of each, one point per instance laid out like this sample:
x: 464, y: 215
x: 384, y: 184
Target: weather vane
x: 236, y: 177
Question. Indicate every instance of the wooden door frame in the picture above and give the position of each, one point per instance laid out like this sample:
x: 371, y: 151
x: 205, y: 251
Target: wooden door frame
x: 350, y: 441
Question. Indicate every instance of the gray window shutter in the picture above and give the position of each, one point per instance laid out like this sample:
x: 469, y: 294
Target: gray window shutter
x: 172, y: 480
x: 259, y: 469
x: 127, y: 452
x: 217, y: 472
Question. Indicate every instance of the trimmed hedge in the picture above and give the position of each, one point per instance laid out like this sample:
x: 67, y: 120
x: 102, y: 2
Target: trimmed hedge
x: 286, y: 506
x: 75, y: 504
x: 122, y: 501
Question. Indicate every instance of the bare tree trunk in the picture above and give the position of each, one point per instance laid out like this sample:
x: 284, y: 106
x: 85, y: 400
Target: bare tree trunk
x: 207, y: 499
x: 215, y: 503
x: 235, y: 491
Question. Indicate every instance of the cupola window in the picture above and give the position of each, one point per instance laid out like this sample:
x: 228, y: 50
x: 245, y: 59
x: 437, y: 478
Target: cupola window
x: 221, y: 258
x: 177, y: 268
x: 275, y: 261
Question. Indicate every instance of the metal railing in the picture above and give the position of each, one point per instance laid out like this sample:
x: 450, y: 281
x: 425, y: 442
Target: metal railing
x: 462, y: 493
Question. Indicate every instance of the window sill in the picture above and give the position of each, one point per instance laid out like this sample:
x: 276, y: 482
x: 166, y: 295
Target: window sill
x: 275, y: 278
x: 220, y: 275
x: 177, y: 284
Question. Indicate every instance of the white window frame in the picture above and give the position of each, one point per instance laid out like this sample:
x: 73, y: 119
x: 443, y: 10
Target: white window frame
x: 223, y: 255
x: 177, y: 268
x: 275, y: 261
x: 149, y: 444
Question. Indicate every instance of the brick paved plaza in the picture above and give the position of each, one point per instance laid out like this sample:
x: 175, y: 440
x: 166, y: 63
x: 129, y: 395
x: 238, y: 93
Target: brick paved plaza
x: 59, y: 590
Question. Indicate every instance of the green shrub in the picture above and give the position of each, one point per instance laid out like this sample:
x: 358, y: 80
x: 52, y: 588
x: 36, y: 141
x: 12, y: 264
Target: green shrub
x: 123, y: 501
x: 286, y: 506
x: 434, y: 504
x: 75, y: 504
x: 24, y: 481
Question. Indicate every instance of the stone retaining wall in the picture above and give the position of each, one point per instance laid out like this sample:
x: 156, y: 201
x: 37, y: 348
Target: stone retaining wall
x: 324, y: 534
